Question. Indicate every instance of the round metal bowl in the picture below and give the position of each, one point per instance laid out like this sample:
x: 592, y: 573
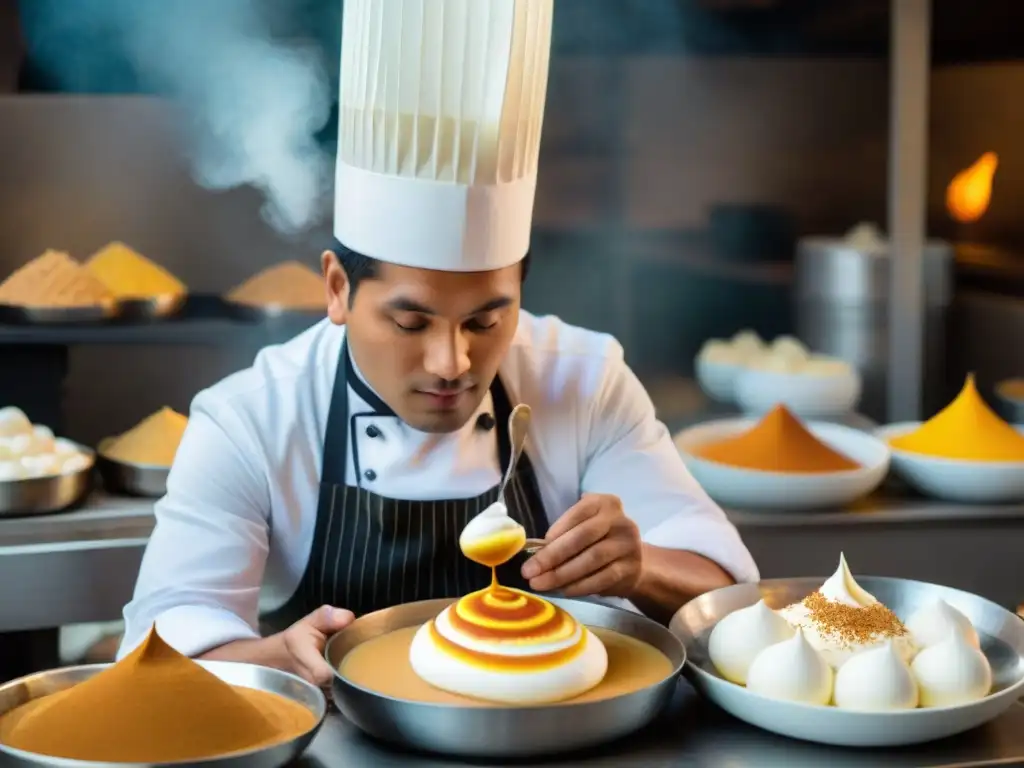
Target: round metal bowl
x: 18, y: 692
x: 46, y: 495
x: 1002, y: 640
x: 146, y: 480
x: 155, y: 308
x: 261, y: 313
x: 12, y: 314
x: 500, y: 732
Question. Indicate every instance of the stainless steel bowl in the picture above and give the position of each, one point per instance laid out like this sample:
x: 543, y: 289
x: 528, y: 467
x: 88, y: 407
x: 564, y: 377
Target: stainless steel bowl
x: 46, y: 495
x: 18, y: 692
x: 255, y: 313
x: 155, y: 308
x: 498, y: 732
x: 147, y: 480
x: 1002, y: 640
x: 13, y: 314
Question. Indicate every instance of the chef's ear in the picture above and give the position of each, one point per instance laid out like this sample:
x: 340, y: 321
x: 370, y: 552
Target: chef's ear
x: 337, y: 286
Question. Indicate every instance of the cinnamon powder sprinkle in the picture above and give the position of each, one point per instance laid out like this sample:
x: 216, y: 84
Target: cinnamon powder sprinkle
x: 849, y: 624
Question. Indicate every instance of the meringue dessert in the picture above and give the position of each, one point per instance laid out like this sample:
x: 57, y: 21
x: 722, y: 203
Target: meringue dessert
x: 841, y: 619
x: 505, y: 645
x: 30, y: 450
x: 875, y: 662
x: 738, y: 638
x: 793, y: 671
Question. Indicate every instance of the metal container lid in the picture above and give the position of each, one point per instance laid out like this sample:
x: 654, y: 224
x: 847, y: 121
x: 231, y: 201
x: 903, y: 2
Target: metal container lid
x: 839, y: 270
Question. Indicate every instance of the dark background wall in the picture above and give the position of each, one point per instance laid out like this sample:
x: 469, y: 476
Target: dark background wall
x: 662, y: 118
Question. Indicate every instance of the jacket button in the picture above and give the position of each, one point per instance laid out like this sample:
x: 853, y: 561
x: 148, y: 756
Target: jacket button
x: 370, y: 475
x: 372, y: 431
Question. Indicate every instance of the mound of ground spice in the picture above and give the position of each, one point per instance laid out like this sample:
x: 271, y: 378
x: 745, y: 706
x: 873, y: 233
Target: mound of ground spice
x: 289, y: 285
x: 849, y: 625
x: 778, y: 443
x: 154, y: 706
x: 54, y: 281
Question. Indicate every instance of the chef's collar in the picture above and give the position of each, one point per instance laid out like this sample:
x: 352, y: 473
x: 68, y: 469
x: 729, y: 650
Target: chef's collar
x: 358, y: 384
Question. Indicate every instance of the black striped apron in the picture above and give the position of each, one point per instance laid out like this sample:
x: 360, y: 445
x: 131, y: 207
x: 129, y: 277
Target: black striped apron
x: 370, y: 552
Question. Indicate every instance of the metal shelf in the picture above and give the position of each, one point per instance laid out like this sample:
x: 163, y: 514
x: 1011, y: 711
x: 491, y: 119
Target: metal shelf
x: 203, y: 322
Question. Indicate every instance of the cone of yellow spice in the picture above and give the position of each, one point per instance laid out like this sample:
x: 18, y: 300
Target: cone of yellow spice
x: 777, y: 443
x: 130, y: 276
x: 967, y: 430
x: 154, y: 706
x: 153, y: 442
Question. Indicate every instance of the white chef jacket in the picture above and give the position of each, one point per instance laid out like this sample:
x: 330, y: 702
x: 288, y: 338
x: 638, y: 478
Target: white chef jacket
x: 235, y: 529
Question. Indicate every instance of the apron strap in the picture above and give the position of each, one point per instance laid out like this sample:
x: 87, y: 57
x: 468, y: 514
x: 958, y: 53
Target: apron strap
x: 502, y: 410
x: 335, y: 453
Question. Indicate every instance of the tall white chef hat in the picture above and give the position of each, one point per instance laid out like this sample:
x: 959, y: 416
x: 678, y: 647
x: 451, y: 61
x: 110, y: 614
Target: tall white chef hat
x: 441, y: 108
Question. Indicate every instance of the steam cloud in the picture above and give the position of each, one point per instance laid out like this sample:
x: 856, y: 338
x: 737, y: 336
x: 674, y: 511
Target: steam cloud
x: 256, y: 104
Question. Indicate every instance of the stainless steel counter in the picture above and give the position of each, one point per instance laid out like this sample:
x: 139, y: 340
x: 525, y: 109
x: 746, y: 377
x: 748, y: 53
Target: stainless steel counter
x: 81, y: 566
x: 694, y: 733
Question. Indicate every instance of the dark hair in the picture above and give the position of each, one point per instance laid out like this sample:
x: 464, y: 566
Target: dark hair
x: 359, y: 267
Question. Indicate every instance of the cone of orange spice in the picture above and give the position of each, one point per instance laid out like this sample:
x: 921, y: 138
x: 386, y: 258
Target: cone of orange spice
x: 777, y: 443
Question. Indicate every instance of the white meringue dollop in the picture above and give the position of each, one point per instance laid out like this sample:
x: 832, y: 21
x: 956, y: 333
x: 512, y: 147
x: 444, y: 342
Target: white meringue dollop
x: 841, y: 587
x: 951, y: 672
x: 838, y: 647
x: 738, y: 638
x: 793, y: 671
x: 875, y: 680
x: 14, y: 422
x: 932, y: 623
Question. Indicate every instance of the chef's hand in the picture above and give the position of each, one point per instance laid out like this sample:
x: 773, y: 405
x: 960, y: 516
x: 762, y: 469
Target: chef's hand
x: 593, y: 549
x: 304, y: 642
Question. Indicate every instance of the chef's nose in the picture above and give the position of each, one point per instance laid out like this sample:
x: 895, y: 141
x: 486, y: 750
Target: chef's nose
x: 447, y: 356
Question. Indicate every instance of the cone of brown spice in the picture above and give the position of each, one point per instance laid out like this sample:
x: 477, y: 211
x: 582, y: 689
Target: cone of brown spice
x: 289, y: 286
x: 154, y: 706
x: 54, y: 281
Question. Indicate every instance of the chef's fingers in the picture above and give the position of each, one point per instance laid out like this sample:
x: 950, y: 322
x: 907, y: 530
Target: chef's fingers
x: 309, y: 660
x: 588, y: 562
x: 561, y: 549
x: 327, y: 619
x: 307, y: 638
x: 584, y: 509
x: 600, y: 583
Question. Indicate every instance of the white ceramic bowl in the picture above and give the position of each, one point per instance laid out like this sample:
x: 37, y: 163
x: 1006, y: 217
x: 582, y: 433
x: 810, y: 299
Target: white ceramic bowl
x: 786, y: 491
x: 979, y: 482
x: 718, y: 380
x: 1002, y: 641
x: 811, y: 397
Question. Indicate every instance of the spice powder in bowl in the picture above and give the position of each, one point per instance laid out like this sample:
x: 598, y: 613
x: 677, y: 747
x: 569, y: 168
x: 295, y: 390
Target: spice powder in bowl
x: 288, y: 286
x: 154, y: 706
x: 777, y: 443
x: 966, y: 429
x: 130, y: 276
x: 54, y: 281
x: 152, y: 442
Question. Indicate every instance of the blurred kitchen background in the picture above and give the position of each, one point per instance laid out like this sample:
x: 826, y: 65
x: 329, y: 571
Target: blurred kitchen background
x: 689, y: 145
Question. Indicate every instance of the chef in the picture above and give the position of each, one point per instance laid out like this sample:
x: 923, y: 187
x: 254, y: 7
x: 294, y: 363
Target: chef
x: 333, y: 477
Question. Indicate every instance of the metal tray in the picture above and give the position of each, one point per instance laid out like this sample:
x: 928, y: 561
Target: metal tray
x: 18, y: 692
x: 1002, y: 640
x: 155, y: 308
x: 498, y: 732
x: 146, y: 480
x: 12, y: 314
x: 251, y: 313
x: 46, y: 495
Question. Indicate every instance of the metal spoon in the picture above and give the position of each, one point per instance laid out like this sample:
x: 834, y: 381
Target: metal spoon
x: 518, y: 422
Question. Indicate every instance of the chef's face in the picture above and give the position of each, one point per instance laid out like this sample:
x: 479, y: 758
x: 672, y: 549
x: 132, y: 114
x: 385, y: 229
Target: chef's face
x: 428, y: 342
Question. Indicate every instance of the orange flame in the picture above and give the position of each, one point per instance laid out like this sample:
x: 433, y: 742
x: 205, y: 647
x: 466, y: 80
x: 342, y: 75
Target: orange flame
x: 970, y: 192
